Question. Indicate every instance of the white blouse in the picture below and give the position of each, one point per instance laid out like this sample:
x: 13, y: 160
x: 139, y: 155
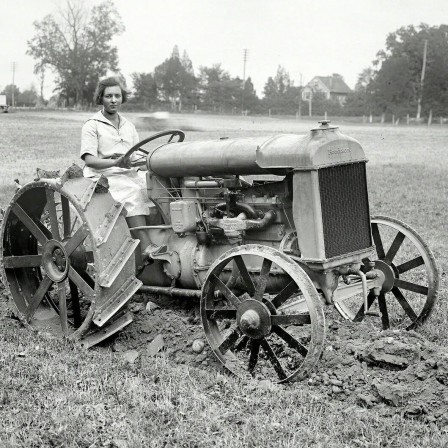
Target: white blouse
x: 100, y: 138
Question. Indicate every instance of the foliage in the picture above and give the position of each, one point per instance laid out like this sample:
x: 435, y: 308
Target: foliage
x: 77, y: 47
x: 219, y: 92
x: 396, y: 86
x: 8, y: 90
x: 250, y: 101
x: 280, y: 94
x: 28, y: 98
x: 145, y: 89
x: 360, y: 102
x: 175, y: 80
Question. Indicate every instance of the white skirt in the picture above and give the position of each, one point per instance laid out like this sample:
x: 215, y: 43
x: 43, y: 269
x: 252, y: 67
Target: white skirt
x: 129, y: 188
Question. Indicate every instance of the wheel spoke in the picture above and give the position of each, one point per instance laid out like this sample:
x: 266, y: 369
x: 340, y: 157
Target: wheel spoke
x: 404, y: 304
x: 63, y: 307
x: 22, y: 261
x: 29, y: 223
x: 230, y: 340
x: 285, y: 294
x: 254, y: 350
x: 80, y: 282
x: 242, y: 343
x: 290, y: 340
x: 360, y: 314
x: 263, y: 279
x: 38, y: 296
x: 290, y: 319
x: 76, y: 240
x: 232, y: 298
x: 411, y: 264
x: 395, y: 246
x: 245, y: 274
x: 377, y: 241
x: 273, y: 359
x: 66, y: 216
x: 383, y: 310
x: 419, y: 289
x: 74, y: 294
x: 51, y: 209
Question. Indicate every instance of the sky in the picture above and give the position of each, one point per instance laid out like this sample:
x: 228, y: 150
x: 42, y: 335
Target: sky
x: 307, y: 38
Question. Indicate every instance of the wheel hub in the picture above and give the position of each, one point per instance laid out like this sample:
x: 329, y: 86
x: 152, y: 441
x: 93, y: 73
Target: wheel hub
x: 254, y: 319
x: 389, y: 275
x: 55, y: 260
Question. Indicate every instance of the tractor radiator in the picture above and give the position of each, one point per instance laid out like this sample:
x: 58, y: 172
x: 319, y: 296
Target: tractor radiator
x: 331, y: 213
x: 344, y: 208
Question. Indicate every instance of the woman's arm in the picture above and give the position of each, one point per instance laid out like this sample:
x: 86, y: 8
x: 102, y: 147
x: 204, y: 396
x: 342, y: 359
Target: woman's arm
x: 119, y: 161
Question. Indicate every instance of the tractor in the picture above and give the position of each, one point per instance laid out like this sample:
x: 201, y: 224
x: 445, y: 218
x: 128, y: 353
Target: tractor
x: 263, y: 231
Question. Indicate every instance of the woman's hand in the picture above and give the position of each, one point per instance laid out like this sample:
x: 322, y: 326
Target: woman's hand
x: 123, y: 162
x: 118, y: 160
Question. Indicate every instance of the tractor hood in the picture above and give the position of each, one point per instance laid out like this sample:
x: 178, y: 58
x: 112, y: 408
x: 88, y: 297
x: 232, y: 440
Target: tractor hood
x: 278, y: 154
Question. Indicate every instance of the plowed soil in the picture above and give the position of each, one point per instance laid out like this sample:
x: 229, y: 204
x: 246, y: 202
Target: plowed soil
x: 392, y: 371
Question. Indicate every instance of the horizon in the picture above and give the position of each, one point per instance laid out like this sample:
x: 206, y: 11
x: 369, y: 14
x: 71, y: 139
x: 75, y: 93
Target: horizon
x: 306, y: 39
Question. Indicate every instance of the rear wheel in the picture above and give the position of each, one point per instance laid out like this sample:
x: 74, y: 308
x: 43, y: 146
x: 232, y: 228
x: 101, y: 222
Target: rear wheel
x: 68, y: 258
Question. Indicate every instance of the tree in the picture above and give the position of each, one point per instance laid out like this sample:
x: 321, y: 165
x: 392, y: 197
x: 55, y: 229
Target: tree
x: 8, y: 92
x: 397, y: 84
x: 219, y: 92
x: 280, y: 95
x: 28, y: 98
x: 360, y: 102
x: 175, y: 80
x: 250, y: 101
x: 394, y: 87
x: 77, y: 47
x: 145, y: 88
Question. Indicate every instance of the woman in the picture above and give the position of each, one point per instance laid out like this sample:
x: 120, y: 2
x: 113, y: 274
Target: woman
x: 105, y: 138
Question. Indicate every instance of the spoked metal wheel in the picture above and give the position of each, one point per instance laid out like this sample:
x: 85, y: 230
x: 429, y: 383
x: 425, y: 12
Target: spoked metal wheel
x: 268, y: 320
x: 410, y: 290
x: 67, y: 259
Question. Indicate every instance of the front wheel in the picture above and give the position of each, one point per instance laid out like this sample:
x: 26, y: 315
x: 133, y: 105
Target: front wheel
x: 410, y: 291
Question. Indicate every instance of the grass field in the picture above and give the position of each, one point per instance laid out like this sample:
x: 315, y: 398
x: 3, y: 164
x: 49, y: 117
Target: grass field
x: 54, y: 394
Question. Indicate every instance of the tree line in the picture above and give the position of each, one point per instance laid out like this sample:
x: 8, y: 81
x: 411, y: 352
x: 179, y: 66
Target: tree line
x: 407, y: 78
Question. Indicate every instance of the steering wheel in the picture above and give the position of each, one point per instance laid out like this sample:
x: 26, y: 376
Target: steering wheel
x: 171, y: 132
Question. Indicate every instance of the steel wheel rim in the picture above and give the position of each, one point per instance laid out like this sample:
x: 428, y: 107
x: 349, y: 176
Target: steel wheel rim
x: 403, y: 289
x: 101, y: 275
x: 225, y: 344
x: 45, y: 288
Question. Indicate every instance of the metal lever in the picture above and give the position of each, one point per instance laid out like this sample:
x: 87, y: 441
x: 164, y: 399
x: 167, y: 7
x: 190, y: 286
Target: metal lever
x: 365, y: 293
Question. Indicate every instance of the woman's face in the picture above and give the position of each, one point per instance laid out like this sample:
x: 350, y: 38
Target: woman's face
x: 112, y: 99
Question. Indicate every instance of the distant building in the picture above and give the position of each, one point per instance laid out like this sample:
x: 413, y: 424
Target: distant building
x: 334, y: 88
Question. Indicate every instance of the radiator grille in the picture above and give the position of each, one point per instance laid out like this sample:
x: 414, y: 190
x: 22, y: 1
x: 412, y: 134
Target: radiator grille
x: 345, y: 209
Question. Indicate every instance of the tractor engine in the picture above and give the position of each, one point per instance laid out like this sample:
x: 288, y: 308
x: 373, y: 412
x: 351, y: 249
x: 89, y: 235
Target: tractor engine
x: 305, y: 195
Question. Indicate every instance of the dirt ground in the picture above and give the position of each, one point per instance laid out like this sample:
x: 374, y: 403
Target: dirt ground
x: 394, y: 372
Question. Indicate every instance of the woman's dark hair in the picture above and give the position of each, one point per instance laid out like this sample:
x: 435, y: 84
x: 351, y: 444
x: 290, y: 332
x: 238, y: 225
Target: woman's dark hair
x: 109, y: 82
